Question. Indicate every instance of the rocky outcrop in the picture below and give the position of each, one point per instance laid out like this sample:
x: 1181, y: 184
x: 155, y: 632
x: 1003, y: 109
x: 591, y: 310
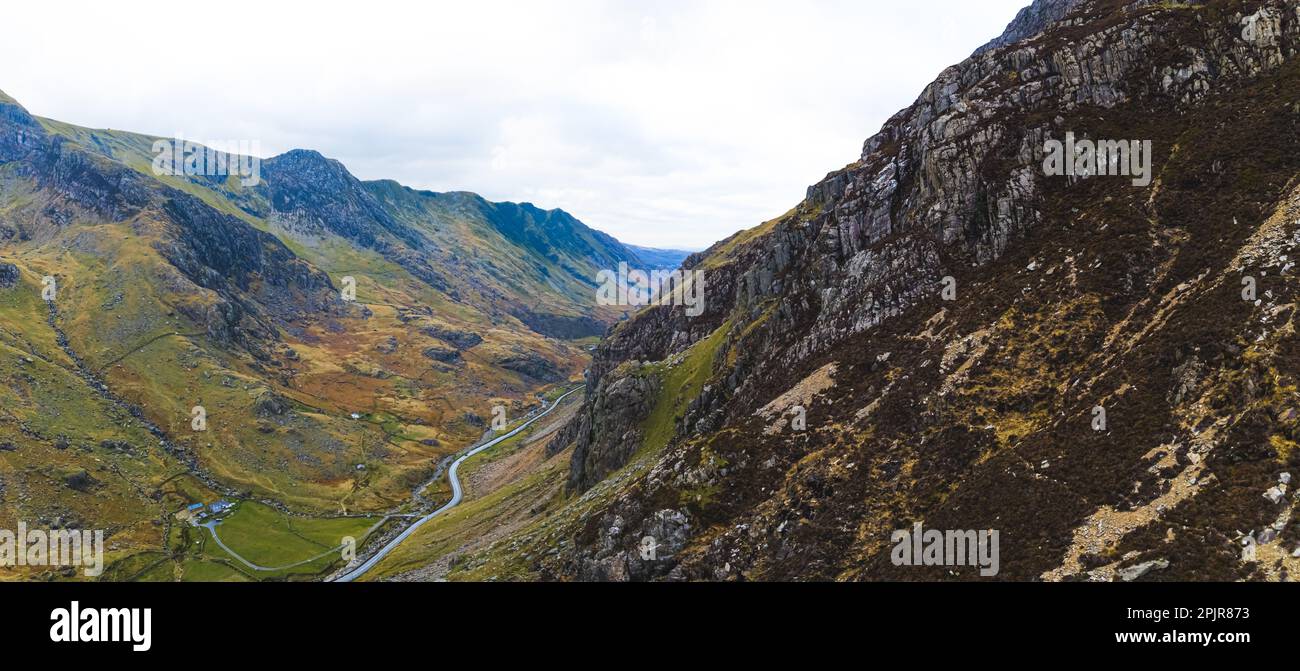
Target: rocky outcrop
x: 533, y: 365
x: 635, y: 553
x: 217, y: 250
x: 20, y: 134
x: 609, y: 428
x: 9, y: 276
x: 80, y: 481
x: 441, y: 354
x: 568, y: 327
x: 270, y: 404
x: 459, y: 339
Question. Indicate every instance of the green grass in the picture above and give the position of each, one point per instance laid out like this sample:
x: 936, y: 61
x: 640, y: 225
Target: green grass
x: 680, y: 385
x: 269, y: 538
x: 196, y: 570
x: 158, y: 572
x: 447, y: 532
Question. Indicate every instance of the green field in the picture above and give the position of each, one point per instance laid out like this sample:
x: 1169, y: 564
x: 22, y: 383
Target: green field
x: 271, y: 539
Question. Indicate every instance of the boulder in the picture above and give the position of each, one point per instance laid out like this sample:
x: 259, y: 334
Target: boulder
x: 270, y: 404
x: 1139, y: 571
x: 8, y: 275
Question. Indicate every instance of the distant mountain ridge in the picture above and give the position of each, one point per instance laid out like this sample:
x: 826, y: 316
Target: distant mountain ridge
x: 660, y: 258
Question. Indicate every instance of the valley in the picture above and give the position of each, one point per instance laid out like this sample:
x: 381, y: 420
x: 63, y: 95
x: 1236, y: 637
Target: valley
x: 179, y: 294
x: 992, y: 325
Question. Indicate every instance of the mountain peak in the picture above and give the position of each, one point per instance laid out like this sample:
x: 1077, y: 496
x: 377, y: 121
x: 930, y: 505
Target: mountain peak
x: 306, y: 157
x: 1031, y: 21
x: 4, y: 98
x: 309, y: 165
x: 303, y: 154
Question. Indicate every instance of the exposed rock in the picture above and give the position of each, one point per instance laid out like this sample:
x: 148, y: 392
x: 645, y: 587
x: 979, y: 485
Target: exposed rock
x: 270, y: 404
x: 532, y: 365
x: 387, y: 345
x: 8, y: 275
x: 117, y: 446
x: 1141, y: 570
x: 608, y: 432
x: 80, y: 481
x: 645, y: 554
x: 1186, y: 377
x: 1031, y: 21
x: 442, y: 354
x: 459, y: 339
x: 567, y: 327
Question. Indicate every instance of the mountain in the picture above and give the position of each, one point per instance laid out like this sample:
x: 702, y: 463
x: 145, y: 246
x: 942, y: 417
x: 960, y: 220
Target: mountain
x: 1102, y: 371
x: 181, y: 295
x: 670, y: 259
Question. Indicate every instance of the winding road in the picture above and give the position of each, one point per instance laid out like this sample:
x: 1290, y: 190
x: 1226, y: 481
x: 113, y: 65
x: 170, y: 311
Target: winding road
x: 455, y: 494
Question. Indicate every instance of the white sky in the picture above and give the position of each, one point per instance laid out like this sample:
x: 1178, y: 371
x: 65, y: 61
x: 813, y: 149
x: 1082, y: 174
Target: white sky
x: 667, y: 123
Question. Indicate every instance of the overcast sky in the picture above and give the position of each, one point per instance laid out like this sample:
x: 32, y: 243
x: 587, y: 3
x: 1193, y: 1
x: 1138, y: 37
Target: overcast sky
x: 668, y: 123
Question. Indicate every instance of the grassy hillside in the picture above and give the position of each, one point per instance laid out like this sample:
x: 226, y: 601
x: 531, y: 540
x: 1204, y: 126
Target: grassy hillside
x: 176, y: 292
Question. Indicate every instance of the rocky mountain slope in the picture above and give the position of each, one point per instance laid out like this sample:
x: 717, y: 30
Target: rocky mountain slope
x: 172, y: 293
x: 950, y: 319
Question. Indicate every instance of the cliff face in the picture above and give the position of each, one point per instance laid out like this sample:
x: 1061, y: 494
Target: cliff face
x: 1070, y: 294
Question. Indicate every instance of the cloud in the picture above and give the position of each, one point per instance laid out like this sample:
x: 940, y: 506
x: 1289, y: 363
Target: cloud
x: 674, y: 123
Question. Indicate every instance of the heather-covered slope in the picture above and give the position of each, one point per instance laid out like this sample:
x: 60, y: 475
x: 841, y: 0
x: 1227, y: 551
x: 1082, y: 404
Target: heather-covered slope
x: 977, y: 413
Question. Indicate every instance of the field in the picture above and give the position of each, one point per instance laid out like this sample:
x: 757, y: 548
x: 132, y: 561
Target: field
x: 268, y: 538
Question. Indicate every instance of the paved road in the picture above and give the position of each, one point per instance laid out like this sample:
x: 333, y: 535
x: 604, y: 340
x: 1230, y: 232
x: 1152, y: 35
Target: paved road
x: 455, y: 495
